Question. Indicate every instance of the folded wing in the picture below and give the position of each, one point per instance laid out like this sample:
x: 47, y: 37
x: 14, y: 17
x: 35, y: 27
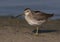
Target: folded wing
x: 41, y: 16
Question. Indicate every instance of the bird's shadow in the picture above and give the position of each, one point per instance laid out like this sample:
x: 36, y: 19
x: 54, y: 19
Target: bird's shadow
x: 44, y: 31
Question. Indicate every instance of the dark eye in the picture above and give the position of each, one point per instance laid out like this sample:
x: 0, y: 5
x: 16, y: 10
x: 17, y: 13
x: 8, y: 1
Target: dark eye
x: 27, y: 11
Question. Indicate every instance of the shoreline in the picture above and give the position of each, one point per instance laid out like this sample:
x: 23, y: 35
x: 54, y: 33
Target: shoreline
x: 18, y: 30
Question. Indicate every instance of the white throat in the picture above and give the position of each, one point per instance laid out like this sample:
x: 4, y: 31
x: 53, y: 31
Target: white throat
x: 27, y: 13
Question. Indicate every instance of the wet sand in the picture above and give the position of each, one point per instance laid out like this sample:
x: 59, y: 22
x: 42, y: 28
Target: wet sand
x: 17, y: 30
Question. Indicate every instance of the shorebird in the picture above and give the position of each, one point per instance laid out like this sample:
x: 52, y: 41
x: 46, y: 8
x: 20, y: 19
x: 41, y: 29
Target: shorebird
x: 36, y: 18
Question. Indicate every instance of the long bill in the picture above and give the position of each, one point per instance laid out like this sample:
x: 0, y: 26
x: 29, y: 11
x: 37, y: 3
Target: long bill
x: 20, y: 15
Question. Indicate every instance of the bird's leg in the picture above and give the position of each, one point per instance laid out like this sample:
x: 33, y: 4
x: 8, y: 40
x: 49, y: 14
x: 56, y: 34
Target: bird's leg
x: 37, y: 31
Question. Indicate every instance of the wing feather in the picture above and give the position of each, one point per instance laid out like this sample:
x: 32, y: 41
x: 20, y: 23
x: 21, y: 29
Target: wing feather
x: 41, y: 16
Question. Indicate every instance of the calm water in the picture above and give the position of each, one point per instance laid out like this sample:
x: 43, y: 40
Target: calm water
x: 15, y: 7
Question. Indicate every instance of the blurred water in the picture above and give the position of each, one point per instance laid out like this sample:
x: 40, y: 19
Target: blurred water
x: 15, y: 7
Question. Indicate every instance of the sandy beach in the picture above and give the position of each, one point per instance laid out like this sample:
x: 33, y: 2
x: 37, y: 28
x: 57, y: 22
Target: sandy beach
x: 18, y: 30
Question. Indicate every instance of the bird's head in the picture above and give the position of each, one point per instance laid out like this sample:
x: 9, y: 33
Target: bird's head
x: 27, y: 11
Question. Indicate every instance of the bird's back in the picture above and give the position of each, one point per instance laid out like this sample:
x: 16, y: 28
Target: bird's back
x: 41, y: 16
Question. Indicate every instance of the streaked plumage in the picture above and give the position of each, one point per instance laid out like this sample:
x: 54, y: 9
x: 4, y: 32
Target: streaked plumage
x: 36, y: 17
